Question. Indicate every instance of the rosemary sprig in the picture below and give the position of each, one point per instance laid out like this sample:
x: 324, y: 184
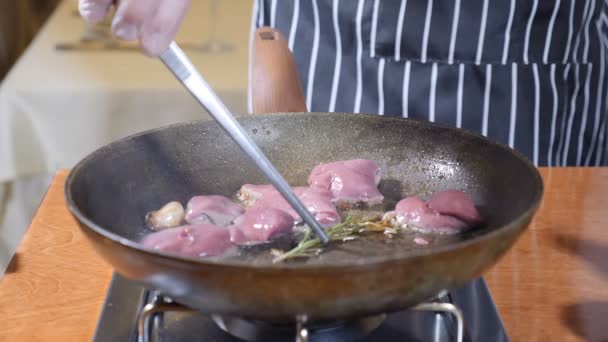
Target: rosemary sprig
x: 308, y: 242
x: 347, y: 230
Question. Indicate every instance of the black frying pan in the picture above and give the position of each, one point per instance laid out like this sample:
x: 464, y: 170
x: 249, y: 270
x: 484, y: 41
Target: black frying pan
x: 110, y: 191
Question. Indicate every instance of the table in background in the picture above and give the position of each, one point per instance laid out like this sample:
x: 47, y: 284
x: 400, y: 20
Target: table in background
x: 551, y: 286
x: 56, y: 107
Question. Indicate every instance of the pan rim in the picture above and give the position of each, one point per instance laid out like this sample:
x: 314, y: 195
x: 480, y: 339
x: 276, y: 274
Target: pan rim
x: 368, y: 261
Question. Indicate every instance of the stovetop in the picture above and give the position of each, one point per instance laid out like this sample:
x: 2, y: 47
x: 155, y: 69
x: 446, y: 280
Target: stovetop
x: 125, y: 299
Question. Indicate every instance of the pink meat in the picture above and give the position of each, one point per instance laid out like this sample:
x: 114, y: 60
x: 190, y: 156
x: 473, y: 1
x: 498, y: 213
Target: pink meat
x: 455, y: 203
x: 319, y: 203
x: 316, y: 200
x: 195, y: 240
x: 260, y: 224
x: 213, y: 209
x: 250, y: 193
x: 350, y: 181
x: 266, y: 196
x: 420, y: 241
x: 416, y: 212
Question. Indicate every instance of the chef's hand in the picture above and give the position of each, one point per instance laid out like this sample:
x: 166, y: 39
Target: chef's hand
x: 153, y: 22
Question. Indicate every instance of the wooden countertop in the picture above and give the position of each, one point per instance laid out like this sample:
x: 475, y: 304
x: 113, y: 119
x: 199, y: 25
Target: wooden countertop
x: 552, y: 285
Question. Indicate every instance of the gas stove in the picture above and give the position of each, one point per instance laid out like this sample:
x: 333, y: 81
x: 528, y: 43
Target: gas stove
x: 133, y: 313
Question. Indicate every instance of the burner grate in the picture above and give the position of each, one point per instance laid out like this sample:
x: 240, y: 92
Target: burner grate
x: 303, y: 332
x: 466, y: 314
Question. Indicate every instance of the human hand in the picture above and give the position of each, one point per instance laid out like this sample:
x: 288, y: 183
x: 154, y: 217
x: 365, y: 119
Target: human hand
x: 154, y: 23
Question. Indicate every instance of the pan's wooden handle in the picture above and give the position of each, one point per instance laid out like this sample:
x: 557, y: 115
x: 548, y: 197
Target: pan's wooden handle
x: 275, y: 82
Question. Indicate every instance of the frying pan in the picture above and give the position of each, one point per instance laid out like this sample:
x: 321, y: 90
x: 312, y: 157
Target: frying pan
x: 110, y: 191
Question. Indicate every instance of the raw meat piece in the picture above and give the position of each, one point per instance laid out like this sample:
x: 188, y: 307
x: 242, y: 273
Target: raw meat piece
x: 249, y: 193
x: 318, y: 202
x: 195, y: 240
x: 260, y: 224
x: 351, y: 182
x: 266, y: 195
x: 455, y: 203
x: 416, y: 212
x: 420, y: 241
x: 213, y: 209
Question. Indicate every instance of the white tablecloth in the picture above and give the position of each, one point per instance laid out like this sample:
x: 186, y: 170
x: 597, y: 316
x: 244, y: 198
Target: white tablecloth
x: 56, y: 107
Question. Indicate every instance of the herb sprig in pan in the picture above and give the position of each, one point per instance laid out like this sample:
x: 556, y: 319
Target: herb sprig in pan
x: 349, y: 229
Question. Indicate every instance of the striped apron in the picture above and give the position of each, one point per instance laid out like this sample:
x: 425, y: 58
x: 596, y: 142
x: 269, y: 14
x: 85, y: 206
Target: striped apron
x: 527, y: 73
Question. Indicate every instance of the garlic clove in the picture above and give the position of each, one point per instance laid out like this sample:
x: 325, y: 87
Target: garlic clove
x: 170, y: 215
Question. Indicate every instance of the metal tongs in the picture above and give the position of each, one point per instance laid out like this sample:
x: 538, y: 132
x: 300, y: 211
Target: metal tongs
x: 175, y: 59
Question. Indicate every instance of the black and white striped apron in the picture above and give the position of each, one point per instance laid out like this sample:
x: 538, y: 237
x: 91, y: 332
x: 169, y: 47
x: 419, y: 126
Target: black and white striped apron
x: 527, y: 73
